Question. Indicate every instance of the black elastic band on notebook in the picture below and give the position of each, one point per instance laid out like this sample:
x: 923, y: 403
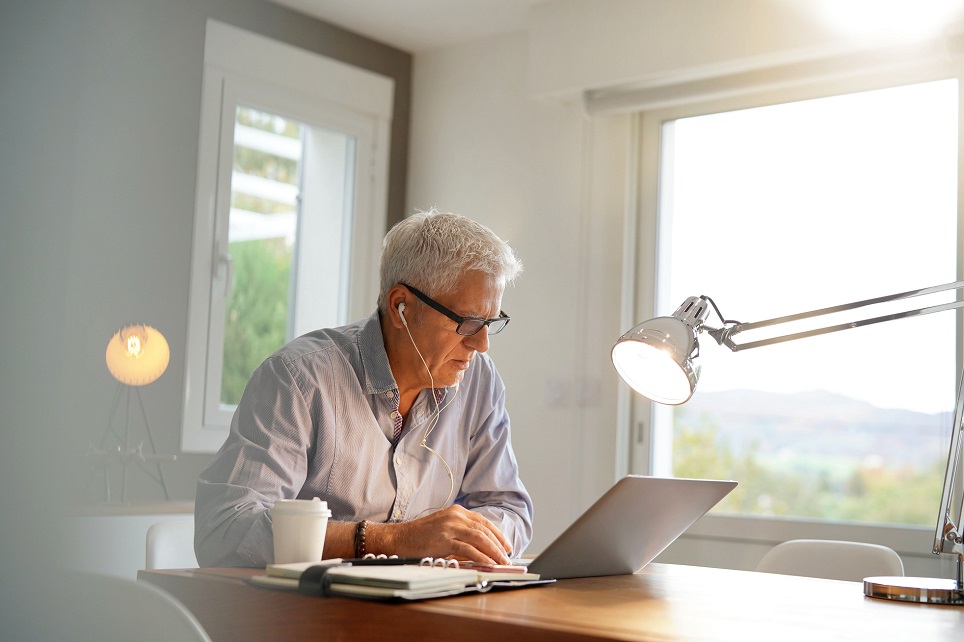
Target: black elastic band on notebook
x: 315, y: 581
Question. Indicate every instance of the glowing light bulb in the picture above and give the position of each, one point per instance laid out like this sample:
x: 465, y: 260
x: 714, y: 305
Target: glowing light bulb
x: 133, y: 346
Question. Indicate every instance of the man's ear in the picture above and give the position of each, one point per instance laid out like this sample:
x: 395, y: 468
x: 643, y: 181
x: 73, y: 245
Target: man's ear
x: 397, y: 305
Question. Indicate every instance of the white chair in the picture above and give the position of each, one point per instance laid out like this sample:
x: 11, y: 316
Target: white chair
x: 170, y: 544
x: 831, y: 559
x: 93, y: 607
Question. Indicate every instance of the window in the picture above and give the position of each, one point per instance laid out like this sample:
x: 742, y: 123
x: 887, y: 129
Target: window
x: 289, y: 217
x: 262, y: 237
x: 780, y: 208
x: 290, y: 212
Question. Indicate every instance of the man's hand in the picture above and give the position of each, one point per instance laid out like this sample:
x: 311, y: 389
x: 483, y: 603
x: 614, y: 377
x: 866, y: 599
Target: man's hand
x: 451, y: 532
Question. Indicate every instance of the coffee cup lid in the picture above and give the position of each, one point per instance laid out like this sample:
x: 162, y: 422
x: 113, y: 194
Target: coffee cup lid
x: 314, y: 506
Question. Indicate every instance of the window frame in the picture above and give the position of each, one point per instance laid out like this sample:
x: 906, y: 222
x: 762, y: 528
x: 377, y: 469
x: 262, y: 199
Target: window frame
x: 241, y: 68
x: 642, y: 266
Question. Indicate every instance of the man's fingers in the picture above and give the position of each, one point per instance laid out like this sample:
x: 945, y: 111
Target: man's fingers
x: 465, y: 551
x: 490, y: 540
x: 454, y: 531
x: 502, y: 539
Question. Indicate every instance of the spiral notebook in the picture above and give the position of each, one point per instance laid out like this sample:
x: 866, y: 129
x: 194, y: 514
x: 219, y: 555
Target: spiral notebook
x: 632, y: 523
x: 388, y: 582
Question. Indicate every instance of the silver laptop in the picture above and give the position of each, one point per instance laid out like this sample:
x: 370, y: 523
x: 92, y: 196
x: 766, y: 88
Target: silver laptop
x: 629, y: 526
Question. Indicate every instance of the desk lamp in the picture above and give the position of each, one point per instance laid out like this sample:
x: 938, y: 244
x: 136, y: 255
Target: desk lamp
x: 137, y: 355
x: 658, y: 359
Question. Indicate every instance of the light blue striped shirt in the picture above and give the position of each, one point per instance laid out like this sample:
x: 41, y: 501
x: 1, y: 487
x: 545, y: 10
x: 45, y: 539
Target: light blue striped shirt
x: 316, y: 421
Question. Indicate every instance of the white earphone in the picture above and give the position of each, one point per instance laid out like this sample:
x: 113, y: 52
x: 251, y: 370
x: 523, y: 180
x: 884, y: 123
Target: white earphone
x: 401, y: 313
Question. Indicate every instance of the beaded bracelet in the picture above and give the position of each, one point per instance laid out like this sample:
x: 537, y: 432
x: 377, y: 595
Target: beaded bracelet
x: 360, y: 538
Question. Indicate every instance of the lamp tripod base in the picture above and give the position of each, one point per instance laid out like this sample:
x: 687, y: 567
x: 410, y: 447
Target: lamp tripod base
x: 119, y: 449
x: 924, y: 590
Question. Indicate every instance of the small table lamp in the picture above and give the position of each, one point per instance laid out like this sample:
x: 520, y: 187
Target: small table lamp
x: 137, y: 355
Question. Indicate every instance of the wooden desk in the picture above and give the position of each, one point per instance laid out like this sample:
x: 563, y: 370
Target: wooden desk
x: 661, y: 602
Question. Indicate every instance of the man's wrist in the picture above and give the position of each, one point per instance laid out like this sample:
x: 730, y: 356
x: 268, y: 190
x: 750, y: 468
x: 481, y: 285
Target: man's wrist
x: 378, y: 539
x: 340, y: 539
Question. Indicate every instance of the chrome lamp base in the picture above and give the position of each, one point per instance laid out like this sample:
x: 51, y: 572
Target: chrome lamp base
x: 925, y: 590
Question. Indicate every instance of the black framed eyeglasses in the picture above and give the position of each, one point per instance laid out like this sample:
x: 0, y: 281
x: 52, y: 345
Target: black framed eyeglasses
x: 467, y: 325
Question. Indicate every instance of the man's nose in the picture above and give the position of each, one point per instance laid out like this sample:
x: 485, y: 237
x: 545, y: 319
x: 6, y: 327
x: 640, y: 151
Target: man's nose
x: 479, y: 341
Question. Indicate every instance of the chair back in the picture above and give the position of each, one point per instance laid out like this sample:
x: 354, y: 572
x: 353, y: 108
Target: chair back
x: 831, y: 559
x: 170, y: 544
x: 92, y: 607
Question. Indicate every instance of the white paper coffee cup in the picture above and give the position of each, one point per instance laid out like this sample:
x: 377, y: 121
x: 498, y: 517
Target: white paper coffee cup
x: 299, y: 527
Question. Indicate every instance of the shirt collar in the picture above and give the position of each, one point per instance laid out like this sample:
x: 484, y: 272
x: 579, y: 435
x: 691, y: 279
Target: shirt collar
x: 371, y: 347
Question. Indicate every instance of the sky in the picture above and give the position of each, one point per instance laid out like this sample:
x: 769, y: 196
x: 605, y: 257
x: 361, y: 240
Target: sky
x: 789, y: 208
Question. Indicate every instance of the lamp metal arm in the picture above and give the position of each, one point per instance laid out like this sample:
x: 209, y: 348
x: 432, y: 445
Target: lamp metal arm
x: 724, y: 336
x: 948, y: 538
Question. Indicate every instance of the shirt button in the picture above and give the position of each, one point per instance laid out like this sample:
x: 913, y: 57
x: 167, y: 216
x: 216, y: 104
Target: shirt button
x: 397, y: 514
x: 398, y: 461
x: 391, y: 394
x: 394, y: 414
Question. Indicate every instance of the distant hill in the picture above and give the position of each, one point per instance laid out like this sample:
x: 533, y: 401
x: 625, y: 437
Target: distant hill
x: 820, y: 423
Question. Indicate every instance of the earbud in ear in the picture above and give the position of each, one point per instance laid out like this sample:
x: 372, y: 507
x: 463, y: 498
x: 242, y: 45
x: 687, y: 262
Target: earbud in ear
x: 401, y: 313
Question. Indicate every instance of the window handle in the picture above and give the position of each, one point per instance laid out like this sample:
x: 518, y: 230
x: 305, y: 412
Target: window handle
x: 225, y: 260
x: 229, y: 274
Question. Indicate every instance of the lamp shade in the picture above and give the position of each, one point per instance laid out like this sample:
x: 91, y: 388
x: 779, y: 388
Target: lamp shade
x: 137, y: 355
x: 656, y: 358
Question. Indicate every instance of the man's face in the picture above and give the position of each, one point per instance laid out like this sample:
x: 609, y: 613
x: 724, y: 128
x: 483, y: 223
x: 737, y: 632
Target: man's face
x: 447, y: 353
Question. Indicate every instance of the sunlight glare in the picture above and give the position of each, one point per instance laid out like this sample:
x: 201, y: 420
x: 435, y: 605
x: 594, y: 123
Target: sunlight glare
x: 894, y: 19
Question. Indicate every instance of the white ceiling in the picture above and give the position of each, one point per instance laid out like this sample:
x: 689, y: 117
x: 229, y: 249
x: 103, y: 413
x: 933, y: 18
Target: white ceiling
x: 419, y: 25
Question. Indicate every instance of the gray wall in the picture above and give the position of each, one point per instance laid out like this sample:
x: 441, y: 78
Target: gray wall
x: 99, y: 113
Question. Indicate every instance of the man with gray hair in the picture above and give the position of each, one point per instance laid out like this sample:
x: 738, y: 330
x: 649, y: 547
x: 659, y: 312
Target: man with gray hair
x: 398, y: 421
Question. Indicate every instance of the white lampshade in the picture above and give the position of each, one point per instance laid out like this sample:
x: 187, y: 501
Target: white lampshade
x: 656, y: 359
x: 137, y: 355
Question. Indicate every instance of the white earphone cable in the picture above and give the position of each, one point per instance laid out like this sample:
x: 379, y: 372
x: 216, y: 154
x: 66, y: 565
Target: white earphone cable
x: 435, y: 419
